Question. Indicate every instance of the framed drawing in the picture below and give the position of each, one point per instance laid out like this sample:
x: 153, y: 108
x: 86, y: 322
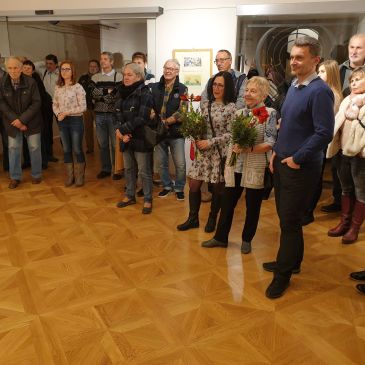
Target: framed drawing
x: 195, y: 68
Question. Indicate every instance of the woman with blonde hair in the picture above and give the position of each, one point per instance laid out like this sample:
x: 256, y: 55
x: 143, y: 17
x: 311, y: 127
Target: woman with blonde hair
x: 69, y: 103
x: 329, y: 72
x: 248, y: 172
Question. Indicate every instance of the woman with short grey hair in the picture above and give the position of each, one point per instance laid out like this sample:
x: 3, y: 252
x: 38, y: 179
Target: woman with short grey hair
x: 133, y: 109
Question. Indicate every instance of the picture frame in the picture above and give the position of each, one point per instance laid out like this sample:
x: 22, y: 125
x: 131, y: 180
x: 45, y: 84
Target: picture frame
x: 195, y: 68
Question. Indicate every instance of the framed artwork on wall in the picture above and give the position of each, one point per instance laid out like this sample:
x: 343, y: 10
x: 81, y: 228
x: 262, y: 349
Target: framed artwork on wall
x: 195, y: 68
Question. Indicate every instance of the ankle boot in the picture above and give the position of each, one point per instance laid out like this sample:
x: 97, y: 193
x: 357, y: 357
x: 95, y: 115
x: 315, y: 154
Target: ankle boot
x: 79, y: 174
x: 347, y: 205
x: 358, y: 217
x: 194, y: 206
x: 215, y: 206
x: 69, y: 167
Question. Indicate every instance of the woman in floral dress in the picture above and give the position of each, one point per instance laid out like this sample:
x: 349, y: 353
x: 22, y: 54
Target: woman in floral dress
x: 212, y: 150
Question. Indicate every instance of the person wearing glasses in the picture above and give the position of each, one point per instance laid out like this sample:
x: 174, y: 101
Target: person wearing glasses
x: 69, y: 104
x: 218, y: 112
x: 223, y: 61
x: 166, y: 97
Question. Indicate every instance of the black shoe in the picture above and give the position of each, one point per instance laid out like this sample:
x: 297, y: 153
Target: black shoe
x: 102, y: 174
x: 271, y: 267
x: 180, y: 195
x: 358, y: 275
x: 360, y: 288
x: 123, y: 204
x: 192, y: 222
x: 307, y: 219
x: 211, y: 223
x: 331, y: 208
x: 164, y: 193
x: 276, y: 288
x: 246, y: 247
x: 116, y: 176
x: 140, y: 193
x: 52, y: 159
x: 147, y: 210
x: 213, y: 243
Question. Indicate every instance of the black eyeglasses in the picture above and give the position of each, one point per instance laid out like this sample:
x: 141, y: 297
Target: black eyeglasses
x: 221, y: 60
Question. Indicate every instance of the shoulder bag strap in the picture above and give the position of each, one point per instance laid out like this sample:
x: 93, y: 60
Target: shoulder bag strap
x: 211, y: 126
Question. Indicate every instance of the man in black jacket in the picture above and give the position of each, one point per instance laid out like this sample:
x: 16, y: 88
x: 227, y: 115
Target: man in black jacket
x: 20, y: 105
x: 166, y: 96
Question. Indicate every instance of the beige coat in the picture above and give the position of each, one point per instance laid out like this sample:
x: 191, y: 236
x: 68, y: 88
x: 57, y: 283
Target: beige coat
x: 356, y: 143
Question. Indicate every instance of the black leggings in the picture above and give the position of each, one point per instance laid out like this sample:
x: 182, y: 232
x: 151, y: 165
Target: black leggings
x: 231, y: 196
x: 195, y: 186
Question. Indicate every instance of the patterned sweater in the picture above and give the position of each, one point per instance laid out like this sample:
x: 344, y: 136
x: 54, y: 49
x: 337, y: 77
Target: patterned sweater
x: 104, y: 91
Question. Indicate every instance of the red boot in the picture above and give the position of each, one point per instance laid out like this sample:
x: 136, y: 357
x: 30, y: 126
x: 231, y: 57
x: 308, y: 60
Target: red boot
x: 358, y: 217
x: 347, y: 205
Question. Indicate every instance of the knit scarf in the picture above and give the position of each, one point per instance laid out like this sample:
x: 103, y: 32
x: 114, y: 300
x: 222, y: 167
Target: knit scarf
x: 125, y: 91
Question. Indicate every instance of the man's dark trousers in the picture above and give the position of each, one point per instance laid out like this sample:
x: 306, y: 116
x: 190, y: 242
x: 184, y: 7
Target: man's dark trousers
x: 294, y: 189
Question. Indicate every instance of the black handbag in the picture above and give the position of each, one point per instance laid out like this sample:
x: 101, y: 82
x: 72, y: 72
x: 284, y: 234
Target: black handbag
x: 222, y: 162
x: 268, y: 182
x: 154, y: 135
x: 156, y: 131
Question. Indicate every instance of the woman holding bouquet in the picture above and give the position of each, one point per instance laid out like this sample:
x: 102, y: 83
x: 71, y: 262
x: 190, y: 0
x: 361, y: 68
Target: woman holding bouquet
x: 218, y: 113
x: 249, y: 168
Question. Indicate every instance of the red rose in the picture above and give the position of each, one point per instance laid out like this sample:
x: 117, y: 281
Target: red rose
x: 197, y: 98
x: 261, y: 114
x: 184, y: 98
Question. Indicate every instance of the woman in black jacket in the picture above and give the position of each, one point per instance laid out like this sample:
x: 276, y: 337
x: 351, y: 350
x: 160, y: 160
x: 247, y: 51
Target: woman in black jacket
x: 133, y: 106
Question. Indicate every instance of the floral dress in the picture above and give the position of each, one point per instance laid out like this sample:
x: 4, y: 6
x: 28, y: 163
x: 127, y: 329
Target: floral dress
x: 206, y: 166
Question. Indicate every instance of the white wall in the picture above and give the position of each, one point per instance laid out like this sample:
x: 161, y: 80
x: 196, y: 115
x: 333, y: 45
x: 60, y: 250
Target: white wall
x: 198, y: 28
x: 128, y: 38
x: 361, y: 27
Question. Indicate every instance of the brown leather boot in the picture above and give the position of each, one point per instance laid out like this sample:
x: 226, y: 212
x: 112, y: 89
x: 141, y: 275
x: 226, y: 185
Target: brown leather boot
x: 69, y: 174
x: 79, y: 174
x: 347, y: 205
x: 358, y: 217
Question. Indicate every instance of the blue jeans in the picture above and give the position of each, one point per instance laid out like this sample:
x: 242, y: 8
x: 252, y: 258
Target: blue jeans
x: 105, y: 134
x: 15, y: 155
x: 351, y: 173
x: 141, y: 162
x: 177, y: 148
x: 72, y: 133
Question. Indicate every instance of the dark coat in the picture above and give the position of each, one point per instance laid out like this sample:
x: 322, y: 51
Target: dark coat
x: 23, y: 104
x: 173, y: 104
x: 85, y: 81
x: 132, y: 114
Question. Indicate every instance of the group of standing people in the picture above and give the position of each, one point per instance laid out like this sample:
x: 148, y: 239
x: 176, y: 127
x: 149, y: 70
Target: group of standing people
x: 125, y: 105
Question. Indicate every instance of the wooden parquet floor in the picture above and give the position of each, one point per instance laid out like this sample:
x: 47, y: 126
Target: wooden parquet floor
x: 85, y: 283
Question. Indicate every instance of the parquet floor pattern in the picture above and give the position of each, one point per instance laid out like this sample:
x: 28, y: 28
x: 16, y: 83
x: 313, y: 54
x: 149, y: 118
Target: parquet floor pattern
x: 85, y: 283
